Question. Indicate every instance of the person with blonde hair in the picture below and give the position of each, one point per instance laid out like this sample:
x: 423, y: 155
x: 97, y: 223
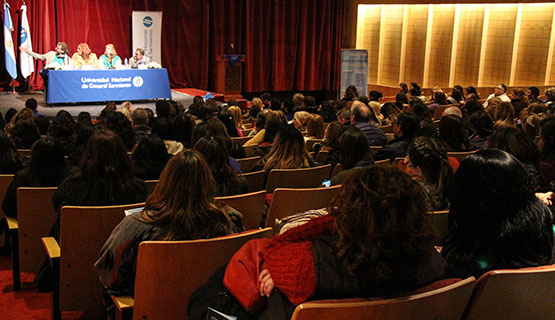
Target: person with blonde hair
x: 110, y: 58
x: 299, y: 120
x: 504, y: 115
x: 315, y: 127
x: 237, y: 117
x: 84, y: 57
x: 127, y: 109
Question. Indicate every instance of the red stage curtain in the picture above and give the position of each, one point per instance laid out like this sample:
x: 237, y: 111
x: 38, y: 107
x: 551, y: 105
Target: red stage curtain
x: 289, y: 44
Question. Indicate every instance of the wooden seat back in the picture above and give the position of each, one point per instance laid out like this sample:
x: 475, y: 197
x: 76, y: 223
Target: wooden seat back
x: 387, y: 128
x: 83, y: 232
x: 439, y: 111
x: 246, y: 164
x: 290, y: 201
x: 311, y: 142
x: 384, y: 162
x: 446, y: 303
x: 439, y: 225
x: 150, y: 185
x: 251, y: 205
x: 322, y: 156
x: 249, y: 150
x: 514, y: 294
x: 255, y: 180
x: 5, y: 180
x: 35, y: 216
x: 460, y: 156
x: 169, y: 271
x: 241, y: 140
x: 297, y: 178
x: 25, y: 153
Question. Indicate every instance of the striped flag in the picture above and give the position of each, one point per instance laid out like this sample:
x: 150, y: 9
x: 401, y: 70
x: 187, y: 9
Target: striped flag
x: 26, y: 62
x: 8, y: 42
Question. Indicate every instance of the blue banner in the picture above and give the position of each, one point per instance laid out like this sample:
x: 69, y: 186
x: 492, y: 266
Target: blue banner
x: 67, y: 86
x: 233, y: 59
x: 354, y: 71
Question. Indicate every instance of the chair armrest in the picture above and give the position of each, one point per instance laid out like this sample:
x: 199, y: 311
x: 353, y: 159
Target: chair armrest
x: 12, y: 223
x: 52, y: 248
x: 123, y: 302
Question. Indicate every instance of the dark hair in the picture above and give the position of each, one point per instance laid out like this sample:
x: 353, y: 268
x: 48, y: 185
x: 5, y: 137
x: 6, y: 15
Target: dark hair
x: 227, y: 119
x: 495, y: 222
x: 163, y: 109
x: 162, y: 128
x: 43, y: 124
x: 24, y: 134
x: 518, y: 143
x: 452, y: 133
x: 440, y: 98
x: 473, y: 106
x: 212, y: 128
x: 353, y: 89
x: 415, y: 91
x: 472, y: 90
x: 150, y: 157
x: 375, y: 95
x: 183, y: 200
x: 535, y: 91
x: 547, y: 134
x: 63, y: 125
x: 383, y: 232
x: 217, y: 158
x: 84, y: 119
x: 274, y: 123
x: 182, y: 127
x: 107, y: 168
x: 404, y: 88
x: 78, y: 146
x: 430, y: 156
x: 275, y: 104
x: 504, y: 87
x: 10, y: 160
x: 481, y: 123
x: 333, y: 132
x: 354, y: 147
x: 47, y: 162
x: 288, y: 106
x: 121, y: 125
x: 457, y: 95
x: 266, y: 96
x: 288, y: 150
x: 327, y: 111
x: 9, y: 114
x: 400, y: 99
x: 409, y: 124
x: 389, y: 109
x: 31, y: 103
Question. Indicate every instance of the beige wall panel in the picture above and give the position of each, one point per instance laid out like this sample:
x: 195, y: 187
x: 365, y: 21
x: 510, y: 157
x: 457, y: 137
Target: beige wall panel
x: 533, y: 47
x: 369, y: 38
x: 417, y: 22
x: 393, y: 28
x: 499, y: 44
x: 467, y: 64
x: 440, y: 49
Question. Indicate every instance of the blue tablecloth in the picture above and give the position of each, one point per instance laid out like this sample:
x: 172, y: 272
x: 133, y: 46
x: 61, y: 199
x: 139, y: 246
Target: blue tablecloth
x: 66, y: 86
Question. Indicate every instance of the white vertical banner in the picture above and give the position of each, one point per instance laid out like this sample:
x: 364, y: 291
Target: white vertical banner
x: 147, y: 33
x: 354, y: 71
x: 26, y: 62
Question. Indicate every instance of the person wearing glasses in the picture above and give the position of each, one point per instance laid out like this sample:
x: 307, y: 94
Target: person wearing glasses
x: 499, y: 92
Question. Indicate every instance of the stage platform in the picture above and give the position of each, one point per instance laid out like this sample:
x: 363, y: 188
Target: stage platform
x: 17, y: 101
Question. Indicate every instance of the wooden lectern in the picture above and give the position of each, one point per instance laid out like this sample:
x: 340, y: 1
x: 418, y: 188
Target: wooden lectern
x: 229, y: 77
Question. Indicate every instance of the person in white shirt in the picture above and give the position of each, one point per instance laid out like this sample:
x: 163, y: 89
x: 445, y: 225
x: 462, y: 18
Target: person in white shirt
x: 499, y: 92
x: 139, y: 58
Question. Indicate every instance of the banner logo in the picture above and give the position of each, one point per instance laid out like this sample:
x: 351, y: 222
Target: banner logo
x: 138, y: 81
x: 147, y: 21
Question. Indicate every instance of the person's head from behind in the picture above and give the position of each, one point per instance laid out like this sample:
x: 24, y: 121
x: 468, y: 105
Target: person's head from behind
x: 9, y: 158
x: 440, y: 98
x: 504, y: 112
x: 150, y: 155
x: 471, y: 90
x: 415, y: 89
x: 390, y: 111
x: 183, y: 199
x: 382, y: 227
x: 288, y: 150
x: 10, y: 113
x: 315, y: 126
x: 518, y: 143
x: 299, y: 119
x: 481, y: 123
x: 547, y: 138
x: 496, y: 218
x: 457, y: 95
x: 407, y: 125
x: 473, y: 106
x: 47, y: 163
x: 214, y: 152
x: 31, y: 103
x: 288, y: 106
x: 84, y: 119
x: 24, y: 134
x: 105, y: 157
x: 332, y: 134
x: 427, y: 159
x: 228, y: 120
x: 354, y: 147
x: 361, y: 113
x: 344, y: 115
x: 453, y: 134
x: 532, y: 93
x: 375, y: 95
x: 182, y: 127
x: 119, y: 123
x: 139, y: 117
x: 237, y: 115
x: 62, y: 125
x: 163, y: 109
x: 266, y: 98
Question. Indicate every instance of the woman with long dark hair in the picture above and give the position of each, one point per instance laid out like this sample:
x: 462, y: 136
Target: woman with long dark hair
x: 150, y: 157
x: 105, y: 176
x: 47, y: 168
x: 354, y: 153
x: 181, y: 207
x: 495, y: 220
x: 10, y: 161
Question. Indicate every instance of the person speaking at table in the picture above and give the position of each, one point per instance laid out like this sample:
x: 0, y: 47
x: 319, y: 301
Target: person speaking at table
x: 84, y: 58
x: 139, y: 58
x: 110, y: 58
x: 59, y: 55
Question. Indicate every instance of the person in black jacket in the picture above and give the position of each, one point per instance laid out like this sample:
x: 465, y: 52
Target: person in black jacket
x: 405, y: 131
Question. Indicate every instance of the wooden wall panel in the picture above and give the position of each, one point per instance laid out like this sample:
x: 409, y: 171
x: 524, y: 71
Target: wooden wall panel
x: 469, y: 43
x: 368, y: 36
x: 533, y: 48
x: 417, y: 20
x: 441, y: 44
x: 499, y: 44
x: 393, y: 27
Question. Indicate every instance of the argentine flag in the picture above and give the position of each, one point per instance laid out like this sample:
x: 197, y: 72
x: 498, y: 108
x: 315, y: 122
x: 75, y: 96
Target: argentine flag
x: 26, y: 62
x: 8, y: 42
